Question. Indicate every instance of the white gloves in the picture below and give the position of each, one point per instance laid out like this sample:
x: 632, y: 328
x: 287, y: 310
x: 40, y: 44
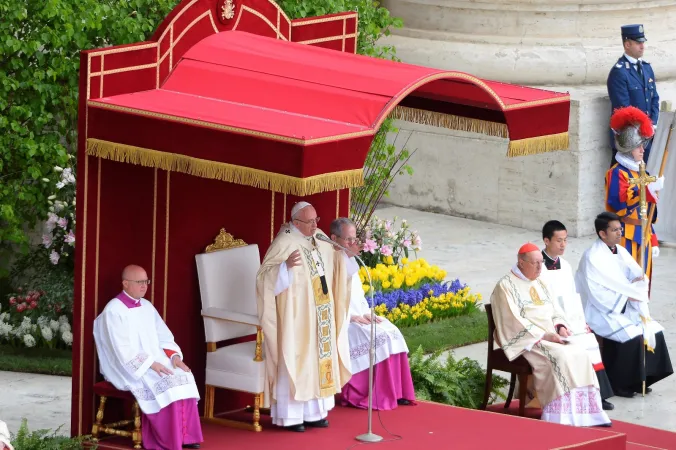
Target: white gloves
x: 656, y: 185
x: 656, y: 252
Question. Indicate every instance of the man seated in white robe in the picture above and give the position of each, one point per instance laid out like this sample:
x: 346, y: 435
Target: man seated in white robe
x: 528, y: 323
x: 561, y: 283
x: 137, y: 353
x: 392, y: 382
x: 614, y: 291
x: 302, y: 306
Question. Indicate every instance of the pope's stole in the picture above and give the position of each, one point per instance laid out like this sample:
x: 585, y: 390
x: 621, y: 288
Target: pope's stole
x: 324, y: 320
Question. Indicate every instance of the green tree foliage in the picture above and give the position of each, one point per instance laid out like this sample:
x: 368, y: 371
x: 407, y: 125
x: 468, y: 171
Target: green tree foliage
x: 40, y: 44
x: 374, y: 20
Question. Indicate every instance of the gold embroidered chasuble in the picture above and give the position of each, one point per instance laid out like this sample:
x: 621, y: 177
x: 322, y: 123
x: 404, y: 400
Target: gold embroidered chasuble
x: 523, y: 312
x: 303, y: 325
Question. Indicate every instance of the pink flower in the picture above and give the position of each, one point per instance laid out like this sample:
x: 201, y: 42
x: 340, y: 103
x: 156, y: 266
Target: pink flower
x: 32, y: 305
x: 70, y: 238
x: 54, y: 257
x: 62, y: 222
x: 370, y: 246
x: 52, y: 218
x: 407, y: 243
x: 47, y: 240
x: 12, y: 301
x: 21, y: 307
x: 386, y: 250
x: 417, y: 243
x: 388, y: 225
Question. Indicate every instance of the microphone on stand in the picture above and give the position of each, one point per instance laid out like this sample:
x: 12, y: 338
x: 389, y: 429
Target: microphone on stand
x: 369, y: 436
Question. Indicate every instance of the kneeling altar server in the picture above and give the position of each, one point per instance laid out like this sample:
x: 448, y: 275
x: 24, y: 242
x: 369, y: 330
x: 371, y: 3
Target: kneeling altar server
x: 614, y: 291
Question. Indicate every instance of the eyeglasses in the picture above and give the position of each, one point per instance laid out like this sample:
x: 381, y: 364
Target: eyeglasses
x: 351, y: 240
x: 139, y: 281
x: 312, y: 221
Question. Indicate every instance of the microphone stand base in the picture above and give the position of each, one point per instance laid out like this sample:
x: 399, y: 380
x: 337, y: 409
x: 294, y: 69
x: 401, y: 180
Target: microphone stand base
x: 369, y: 437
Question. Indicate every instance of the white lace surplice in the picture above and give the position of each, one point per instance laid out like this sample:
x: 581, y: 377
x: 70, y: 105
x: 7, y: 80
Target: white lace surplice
x: 128, y: 341
x: 388, y: 341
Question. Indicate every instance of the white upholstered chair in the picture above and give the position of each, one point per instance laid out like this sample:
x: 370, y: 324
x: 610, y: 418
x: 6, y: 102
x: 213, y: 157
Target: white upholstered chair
x: 227, y: 278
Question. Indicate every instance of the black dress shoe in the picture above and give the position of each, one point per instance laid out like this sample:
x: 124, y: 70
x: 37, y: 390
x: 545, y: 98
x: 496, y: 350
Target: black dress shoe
x: 191, y: 446
x: 624, y: 393
x: 403, y: 401
x: 607, y: 406
x: 609, y: 424
x: 297, y: 428
x: 323, y: 423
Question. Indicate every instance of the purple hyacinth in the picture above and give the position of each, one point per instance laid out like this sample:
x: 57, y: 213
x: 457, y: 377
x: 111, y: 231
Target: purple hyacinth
x: 412, y: 297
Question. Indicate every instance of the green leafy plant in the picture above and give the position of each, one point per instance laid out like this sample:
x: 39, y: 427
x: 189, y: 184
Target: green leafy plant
x: 453, y: 382
x: 44, y: 440
x: 40, y: 44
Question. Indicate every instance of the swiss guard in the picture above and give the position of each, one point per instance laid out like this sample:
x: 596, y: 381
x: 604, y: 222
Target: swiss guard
x: 631, y: 82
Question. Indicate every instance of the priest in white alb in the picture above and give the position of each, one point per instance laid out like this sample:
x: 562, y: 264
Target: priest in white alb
x: 303, y: 309
x: 392, y: 382
x: 614, y: 291
x: 137, y: 353
x: 528, y: 323
x: 561, y: 283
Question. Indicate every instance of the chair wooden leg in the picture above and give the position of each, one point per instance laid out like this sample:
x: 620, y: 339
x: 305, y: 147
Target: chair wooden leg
x: 136, y: 434
x: 510, y: 394
x: 209, y: 395
x: 523, y: 389
x: 487, y: 387
x: 258, y: 400
x: 99, y: 419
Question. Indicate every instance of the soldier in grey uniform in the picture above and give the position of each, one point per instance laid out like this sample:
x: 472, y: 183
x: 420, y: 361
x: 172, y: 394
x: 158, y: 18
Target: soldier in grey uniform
x: 631, y: 82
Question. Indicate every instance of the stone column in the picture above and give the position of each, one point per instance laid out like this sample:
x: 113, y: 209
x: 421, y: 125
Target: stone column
x: 562, y: 45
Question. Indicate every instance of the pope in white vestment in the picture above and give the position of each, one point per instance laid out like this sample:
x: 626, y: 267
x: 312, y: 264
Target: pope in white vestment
x: 137, y: 353
x: 302, y: 305
x: 530, y: 324
x: 614, y: 292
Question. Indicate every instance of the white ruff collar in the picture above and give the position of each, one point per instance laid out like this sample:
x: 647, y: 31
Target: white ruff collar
x: 626, y: 161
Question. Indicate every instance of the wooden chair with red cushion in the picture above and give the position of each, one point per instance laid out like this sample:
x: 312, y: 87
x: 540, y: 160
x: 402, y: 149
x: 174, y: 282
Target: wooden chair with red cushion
x: 105, y: 390
x: 497, y: 360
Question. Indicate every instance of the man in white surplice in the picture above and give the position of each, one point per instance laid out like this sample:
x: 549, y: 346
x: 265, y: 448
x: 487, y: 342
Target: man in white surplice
x: 614, y: 291
x: 561, y: 283
x: 137, y: 353
x: 393, y: 384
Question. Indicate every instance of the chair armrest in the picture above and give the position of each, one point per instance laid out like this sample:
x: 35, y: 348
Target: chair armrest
x: 230, y: 316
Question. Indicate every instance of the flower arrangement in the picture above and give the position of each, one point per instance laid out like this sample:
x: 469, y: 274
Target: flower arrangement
x: 413, y: 292
x: 32, y: 320
x: 59, y: 229
x: 384, y: 243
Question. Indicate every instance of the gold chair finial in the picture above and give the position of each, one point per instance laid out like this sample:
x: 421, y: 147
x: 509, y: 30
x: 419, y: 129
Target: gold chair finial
x: 224, y: 241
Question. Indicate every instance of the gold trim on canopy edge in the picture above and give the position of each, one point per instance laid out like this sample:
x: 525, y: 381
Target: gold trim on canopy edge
x: 539, y: 144
x: 231, y: 173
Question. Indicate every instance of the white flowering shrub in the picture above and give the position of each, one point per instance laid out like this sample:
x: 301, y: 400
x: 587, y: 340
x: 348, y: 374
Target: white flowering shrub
x: 59, y: 229
x: 20, y: 330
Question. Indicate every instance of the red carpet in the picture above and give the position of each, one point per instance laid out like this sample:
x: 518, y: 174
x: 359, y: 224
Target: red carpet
x: 425, y: 426
x: 638, y: 436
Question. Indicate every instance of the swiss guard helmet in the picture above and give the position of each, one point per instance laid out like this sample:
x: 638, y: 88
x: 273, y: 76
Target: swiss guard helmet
x: 632, y: 128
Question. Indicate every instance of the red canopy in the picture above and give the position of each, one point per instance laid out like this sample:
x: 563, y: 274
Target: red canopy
x: 290, y: 105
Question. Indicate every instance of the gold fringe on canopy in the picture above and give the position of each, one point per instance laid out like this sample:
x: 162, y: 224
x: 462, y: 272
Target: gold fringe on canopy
x: 449, y: 121
x: 540, y: 144
x: 225, y: 172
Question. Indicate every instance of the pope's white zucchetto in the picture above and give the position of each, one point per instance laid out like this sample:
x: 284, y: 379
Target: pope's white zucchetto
x: 297, y: 207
